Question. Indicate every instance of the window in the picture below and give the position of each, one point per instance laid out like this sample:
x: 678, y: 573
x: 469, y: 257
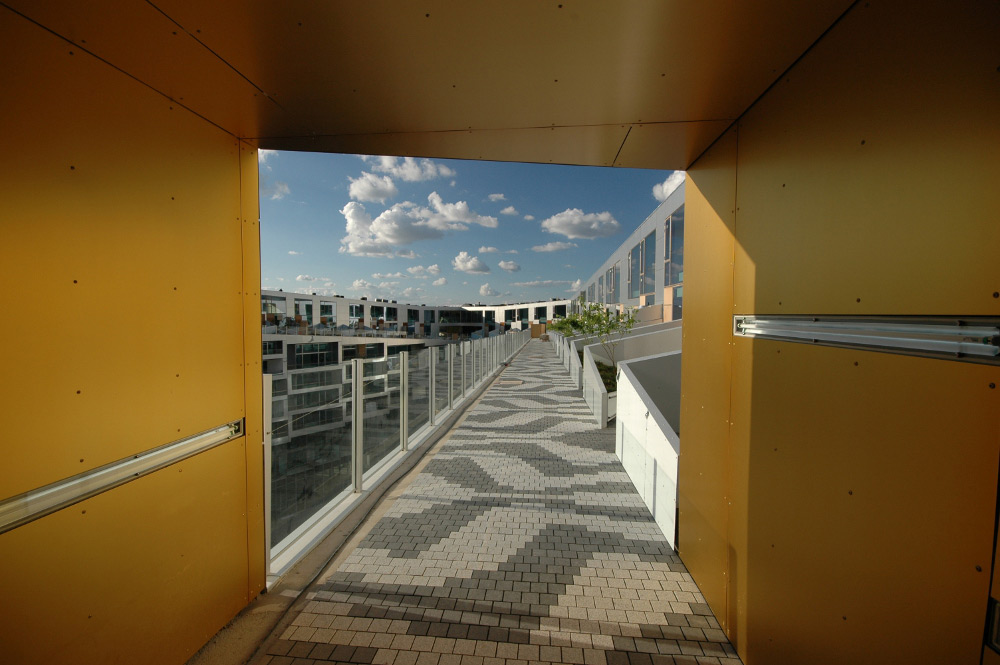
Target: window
x: 412, y: 315
x: 559, y: 312
x: 541, y: 313
x: 428, y: 316
x: 678, y: 302
x: 391, y: 314
x: 649, y: 263
x: 378, y: 312
x: 271, y: 348
x: 508, y: 315
x: 304, y: 311
x: 634, y: 271
x: 312, y: 400
x: 326, y: 313
x: 600, y: 289
x: 272, y: 307
x: 522, y: 314
x: 314, y: 379
x: 617, y: 278
x: 311, y: 355
x: 356, y: 313
x: 591, y: 293
x: 673, y: 254
x: 489, y: 316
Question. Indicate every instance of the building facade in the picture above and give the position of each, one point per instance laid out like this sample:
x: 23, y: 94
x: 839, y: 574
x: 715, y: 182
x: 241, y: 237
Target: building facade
x: 647, y: 269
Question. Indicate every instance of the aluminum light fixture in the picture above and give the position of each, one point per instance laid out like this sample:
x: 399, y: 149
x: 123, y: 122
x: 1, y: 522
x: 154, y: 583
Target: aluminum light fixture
x: 956, y: 339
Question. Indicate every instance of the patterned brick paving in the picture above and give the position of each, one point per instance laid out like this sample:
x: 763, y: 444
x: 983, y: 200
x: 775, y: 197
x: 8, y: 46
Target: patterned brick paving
x: 522, y: 541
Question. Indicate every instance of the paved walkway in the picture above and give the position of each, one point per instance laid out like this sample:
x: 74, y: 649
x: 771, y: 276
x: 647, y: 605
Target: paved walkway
x: 521, y: 541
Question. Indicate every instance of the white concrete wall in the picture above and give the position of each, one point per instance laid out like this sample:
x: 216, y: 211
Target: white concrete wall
x: 645, y: 441
x: 594, y: 392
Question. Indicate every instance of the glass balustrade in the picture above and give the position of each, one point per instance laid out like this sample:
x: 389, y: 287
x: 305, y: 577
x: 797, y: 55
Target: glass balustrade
x: 381, y: 409
x: 418, y: 398
x: 313, y: 437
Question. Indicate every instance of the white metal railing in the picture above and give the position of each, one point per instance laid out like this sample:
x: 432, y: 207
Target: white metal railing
x: 327, y: 457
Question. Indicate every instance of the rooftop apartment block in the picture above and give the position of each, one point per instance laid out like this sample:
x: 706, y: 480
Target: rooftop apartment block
x: 647, y: 270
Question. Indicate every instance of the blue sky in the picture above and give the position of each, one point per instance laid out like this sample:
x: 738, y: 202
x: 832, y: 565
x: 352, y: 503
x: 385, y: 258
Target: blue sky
x: 443, y: 232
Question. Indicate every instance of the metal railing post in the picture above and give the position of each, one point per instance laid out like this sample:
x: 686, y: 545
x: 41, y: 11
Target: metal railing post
x: 268, y: 424
x: 451, y: 376
x: 404, y: 399
x: 357, y: 428
x: 432, y: 373
x: 465, y: 389
x: 473, y: 345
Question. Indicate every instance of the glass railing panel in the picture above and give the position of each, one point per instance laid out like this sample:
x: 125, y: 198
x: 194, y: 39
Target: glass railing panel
x: 456, y: 373
x: 310, y: 464
x: 381, y: 409
x: 440, y: 378
x: 467, y: 360
x: 418, y: 406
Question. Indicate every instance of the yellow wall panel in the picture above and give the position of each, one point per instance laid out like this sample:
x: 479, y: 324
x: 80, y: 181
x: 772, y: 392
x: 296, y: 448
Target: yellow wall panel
x: 146, y: 572
x: 121, y: 222
x: 871, y: 507
x: 703, y: 467
x: 868, y: 175
x: 865, y: 185
x: 257, y: 547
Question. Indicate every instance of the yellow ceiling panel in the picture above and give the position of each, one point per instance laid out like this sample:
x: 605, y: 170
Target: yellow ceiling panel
x: 650, y: 145
x: 590, y: 146
x: 147, y: 45
x: 299, y: 68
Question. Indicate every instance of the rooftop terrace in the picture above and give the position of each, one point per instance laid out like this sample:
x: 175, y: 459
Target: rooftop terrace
x: 521, y: 540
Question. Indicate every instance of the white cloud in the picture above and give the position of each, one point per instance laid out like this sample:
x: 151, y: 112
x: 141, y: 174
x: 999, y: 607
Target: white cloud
x: 529, y: 218
x: 264, y: 155
x: 399, y: 225
x: 391, y: 275
x: 439, y: 282
x: 405, y: 223
x: 280, y: 191
x: 409, y: 169
x: 486, y: 291
x: 543, y: 282
x: 509, y: 266
x: 554, y: 246
x: 453, y: 216
x: 664, y: 189
x: 512, y: 251
x: 370, y: 187
x: 421, y: 271
x: 497, y: 197
x: 575, y: 286
x: 410, y: 292
x: 361, y: 284
x: 471, y: 264
x: 305, y: 278
x: 292, y: 252
x: 276, y: 191
x: 574, y: 223
x: 407, y: 254
x: 509, y: 210
x: 452, y: 183
x: 488, y: 250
